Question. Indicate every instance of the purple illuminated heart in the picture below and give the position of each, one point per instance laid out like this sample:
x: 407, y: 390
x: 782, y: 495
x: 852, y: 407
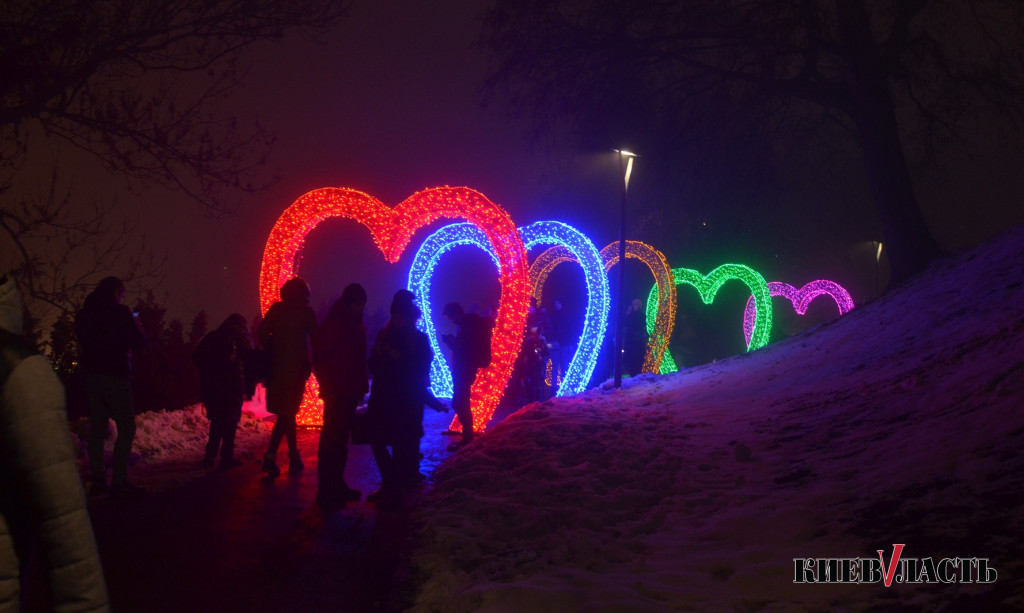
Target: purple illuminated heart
x: 801, y: 299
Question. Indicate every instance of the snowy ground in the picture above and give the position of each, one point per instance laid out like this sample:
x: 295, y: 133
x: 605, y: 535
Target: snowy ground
x: 167, y: 440
x: 901, y: 422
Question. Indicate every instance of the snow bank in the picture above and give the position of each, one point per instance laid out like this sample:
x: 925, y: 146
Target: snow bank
x: 167, y: 440
x: 897, y: 423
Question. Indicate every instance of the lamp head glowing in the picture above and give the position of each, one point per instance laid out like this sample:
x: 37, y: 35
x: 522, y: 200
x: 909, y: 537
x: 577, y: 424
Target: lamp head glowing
x: 629, y: 155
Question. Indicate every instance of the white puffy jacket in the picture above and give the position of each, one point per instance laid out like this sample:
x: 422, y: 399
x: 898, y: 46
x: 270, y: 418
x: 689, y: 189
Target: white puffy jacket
x: 41, y: 496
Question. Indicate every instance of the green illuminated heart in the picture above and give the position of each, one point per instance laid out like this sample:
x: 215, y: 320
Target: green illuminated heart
x: 708, y: 286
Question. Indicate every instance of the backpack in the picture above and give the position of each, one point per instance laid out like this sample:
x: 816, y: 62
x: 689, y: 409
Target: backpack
x: 479, y: 340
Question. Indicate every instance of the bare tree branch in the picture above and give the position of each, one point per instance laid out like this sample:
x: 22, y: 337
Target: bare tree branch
x: 707, y: 70
x: 135, y: 85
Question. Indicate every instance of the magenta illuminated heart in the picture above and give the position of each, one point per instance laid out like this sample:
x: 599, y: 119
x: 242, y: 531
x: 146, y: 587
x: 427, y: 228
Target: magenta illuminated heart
x: 800, y: 298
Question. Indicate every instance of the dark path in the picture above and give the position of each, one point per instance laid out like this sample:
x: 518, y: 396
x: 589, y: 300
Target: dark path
x: 236, y: 541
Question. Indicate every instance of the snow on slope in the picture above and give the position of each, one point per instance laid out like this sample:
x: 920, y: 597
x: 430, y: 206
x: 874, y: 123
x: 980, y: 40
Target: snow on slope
x: 900, y: 422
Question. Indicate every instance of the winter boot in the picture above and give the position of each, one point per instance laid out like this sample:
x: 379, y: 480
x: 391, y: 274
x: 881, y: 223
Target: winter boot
x: 270, y: 465
x: 295, y: 461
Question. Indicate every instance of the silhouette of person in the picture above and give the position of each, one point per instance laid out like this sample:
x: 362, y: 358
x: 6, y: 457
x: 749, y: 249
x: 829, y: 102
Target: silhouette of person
x: 339, y: 362
x: 220, y: 358
x: 537, y: 317
x: 286, y: 330
x: 464, y: 345
x: 43, y: 514
x: 400, y: 365
x: 529, y: 366
x: 562, y: 340
x: 635, y: 338
x: 107, y: 336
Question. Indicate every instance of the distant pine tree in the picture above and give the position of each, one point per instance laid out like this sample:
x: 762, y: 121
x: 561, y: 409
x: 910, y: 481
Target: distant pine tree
x: 165, y: 378
x: 62, y: 348
x: 198, y: 330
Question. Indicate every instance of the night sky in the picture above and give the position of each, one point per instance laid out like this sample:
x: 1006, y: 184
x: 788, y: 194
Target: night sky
x: 391, y: 104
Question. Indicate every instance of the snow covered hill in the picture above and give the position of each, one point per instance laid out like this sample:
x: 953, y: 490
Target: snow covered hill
x: 899, y: 423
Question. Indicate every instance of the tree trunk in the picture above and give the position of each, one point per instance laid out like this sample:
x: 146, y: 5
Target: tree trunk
x: 906, y: 237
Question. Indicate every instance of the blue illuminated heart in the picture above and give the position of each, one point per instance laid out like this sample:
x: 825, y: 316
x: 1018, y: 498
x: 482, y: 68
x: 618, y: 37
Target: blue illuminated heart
x: 538, y: 233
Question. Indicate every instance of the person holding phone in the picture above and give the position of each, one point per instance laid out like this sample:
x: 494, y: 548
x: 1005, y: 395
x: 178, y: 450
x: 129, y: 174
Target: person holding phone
x: 109, y: 336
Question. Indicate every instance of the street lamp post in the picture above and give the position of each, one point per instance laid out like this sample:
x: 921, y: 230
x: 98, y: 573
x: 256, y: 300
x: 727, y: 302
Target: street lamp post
x: 878, y: 269
x: 625, y: 159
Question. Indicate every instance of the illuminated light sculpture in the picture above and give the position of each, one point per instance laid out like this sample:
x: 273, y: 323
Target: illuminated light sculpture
x: 547, y: 261
x: 541, y: 268
x: 707, y: 286
x: 392, y: 229
x: 428, y: 256
x: 800, y: 299
x: 661, y: 318
x: 577, y: 244
x: 595, y: 319
x: 552, y: 375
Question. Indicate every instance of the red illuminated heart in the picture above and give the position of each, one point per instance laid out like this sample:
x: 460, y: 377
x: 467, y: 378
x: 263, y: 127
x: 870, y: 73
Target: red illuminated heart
x: 392, y: 229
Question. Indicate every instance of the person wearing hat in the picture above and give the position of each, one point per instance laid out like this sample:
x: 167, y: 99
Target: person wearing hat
x: 400, y: 367
x: 339, y: 363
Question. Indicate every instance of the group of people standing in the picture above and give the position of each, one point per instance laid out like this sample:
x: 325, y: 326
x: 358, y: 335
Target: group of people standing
x: 290, y: 347
x: 336, y: 352
x: 549, y: 345
x: 42, y: 501
x: 549, y: 342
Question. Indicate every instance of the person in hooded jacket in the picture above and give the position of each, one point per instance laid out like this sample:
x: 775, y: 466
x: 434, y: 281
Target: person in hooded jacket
x: 471, y: 332
x: 286, y: 330
x: 108, y: 337
x: 43, y: 513
x: 220, y: 358
x: 339, y: 363
x: 400, y: 365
